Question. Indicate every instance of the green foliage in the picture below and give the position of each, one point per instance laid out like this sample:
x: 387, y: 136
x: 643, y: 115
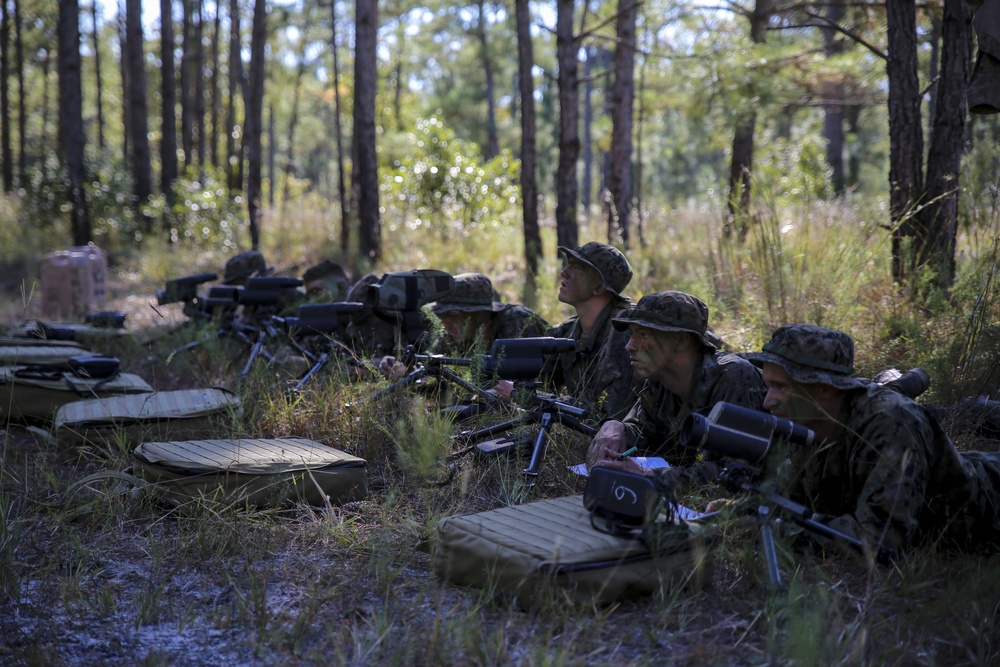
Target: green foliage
x: 204, y: 213
x: 439, y: 184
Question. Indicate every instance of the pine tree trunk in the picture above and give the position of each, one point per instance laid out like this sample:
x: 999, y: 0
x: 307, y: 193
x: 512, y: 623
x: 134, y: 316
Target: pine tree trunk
x: 216, y: 113
x: 366, y: 165
x: 492, y: 142
x: 22, y: 114
x: 71, y: 137
x: 198, y: 79
x: 254, y: 120
x: 234, y: 147
x: 833, y: 111
x: 567, y: 195
x: 906, y: 141
x: 99, y: 94
x: 529, y: 184
x: 587, y: 182
x: 142, y: 175
x: 345, y: 227
x: 622, y: 99
x: 6, y: 156
x: 186, y: 96
x: 168, y: 93
x: 939, y: 218
x: 741, y: 159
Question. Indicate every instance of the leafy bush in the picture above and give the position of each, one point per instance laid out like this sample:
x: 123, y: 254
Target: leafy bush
x: 439, y: 182
x: 203, y: 213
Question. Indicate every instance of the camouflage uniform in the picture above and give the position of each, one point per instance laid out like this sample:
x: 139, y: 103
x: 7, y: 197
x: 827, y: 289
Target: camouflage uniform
x: 597, y: 375
x: 654, y: 422
x: 889, y: 474
x: 474, y: 293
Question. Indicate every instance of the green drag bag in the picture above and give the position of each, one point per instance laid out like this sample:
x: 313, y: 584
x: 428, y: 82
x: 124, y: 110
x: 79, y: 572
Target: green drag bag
x: 259, y: 472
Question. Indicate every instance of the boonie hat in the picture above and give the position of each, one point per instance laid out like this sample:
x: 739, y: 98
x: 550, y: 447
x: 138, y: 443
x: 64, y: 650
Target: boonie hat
x: 811, y: 354
x: 669, y: 311
x: 608, y: 261
x: 245, y: 264
x: 330, y: 276
x: 473, y: 292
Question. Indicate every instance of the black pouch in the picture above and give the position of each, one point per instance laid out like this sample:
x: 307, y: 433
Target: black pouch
x: 94, y: 367
x: 107, y: 319
x: 620, y: 502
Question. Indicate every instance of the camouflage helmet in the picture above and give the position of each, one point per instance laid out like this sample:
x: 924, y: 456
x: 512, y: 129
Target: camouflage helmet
x: 473, y: 292
x: 811, y: 354
x: 243, y: 265
x: 327, y: 275
x: 669, y: 311
x: 607, y: 260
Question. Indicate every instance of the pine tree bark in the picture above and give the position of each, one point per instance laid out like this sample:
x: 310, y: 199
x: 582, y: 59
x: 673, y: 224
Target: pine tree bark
x: 168, y: 94
x: 71, y: 136
x: 126, y: 97
x: 741, y: 162
x: 906, y: 141
x: 567, y: 192
x: 345, y: 227
x: 587, y: 182
x: 492, y: 142
x: 22, y: 114
x: 938, y: 219
x: 529, y: 183
x: 198, y: 81
x: 833, y: 110
x: 216, y: 112
x: 366, y: 165
x: 186, y: 96
x: 234, y: 146
x: 622, y: 100
x: 254, y: 121
x: 99, y: 93
x: 142, y: 172
x: 6, y: 155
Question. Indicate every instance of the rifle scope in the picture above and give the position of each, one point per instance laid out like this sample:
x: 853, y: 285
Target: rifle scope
x: 220, y: 298
x: 522, y: 358
x: 741, y: 433
x: 266, y: 291
x: 182, y: 289
x: 320, y: 318
x: 408, y: 290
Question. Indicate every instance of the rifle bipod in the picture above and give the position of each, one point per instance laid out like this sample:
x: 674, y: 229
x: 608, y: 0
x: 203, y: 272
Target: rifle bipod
x: 771, y: 505
x: 432, y: 366
x: 548, y: 412
x: 331, y: 349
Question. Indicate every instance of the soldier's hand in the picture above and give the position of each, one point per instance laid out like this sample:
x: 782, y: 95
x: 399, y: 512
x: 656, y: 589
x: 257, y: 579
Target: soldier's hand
x: 505, y: 390
x: 608, y: 443
x: 390, y: 368
x: 616, y: 461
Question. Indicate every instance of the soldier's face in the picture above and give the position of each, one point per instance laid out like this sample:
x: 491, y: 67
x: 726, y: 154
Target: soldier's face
x: 462, y: 326
x: 579, y: 282
x: 789, y: 399
x: 650, y: 352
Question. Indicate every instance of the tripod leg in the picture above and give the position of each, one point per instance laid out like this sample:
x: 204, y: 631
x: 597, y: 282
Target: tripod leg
x: 537, y: 455
x: 767, y: 545
x: 398, y: 384
x: 321, y: 362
